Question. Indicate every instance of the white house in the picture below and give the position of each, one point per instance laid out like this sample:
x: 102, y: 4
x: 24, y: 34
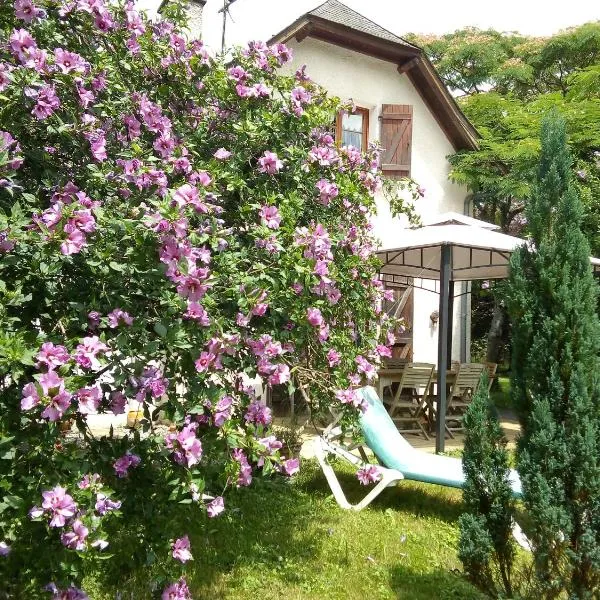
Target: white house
x: 401, y: 102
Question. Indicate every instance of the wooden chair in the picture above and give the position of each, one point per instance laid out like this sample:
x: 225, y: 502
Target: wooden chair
x: 407, y: 405
x: 491, y: 371
x: 465, y: 385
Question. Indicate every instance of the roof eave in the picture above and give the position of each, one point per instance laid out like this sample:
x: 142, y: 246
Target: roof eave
x: 458, y: 129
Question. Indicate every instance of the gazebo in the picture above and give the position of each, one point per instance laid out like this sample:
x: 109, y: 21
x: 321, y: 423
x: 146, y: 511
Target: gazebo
x: 453, y: 248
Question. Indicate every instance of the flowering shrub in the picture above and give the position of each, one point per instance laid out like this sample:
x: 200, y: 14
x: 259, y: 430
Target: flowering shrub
x: 171, y: 226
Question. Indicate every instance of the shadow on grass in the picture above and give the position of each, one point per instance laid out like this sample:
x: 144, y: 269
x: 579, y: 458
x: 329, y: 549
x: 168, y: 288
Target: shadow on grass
x: 408, y: 496
x: 438, y: 585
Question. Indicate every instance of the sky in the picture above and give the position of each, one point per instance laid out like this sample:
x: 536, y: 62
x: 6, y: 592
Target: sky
x: 260, y: 19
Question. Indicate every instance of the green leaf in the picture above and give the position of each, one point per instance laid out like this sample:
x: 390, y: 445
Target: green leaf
x: 160, y: 329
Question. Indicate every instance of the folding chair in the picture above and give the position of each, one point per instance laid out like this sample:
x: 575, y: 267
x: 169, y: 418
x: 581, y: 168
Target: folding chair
x: 409, y: 402
x: 465, y: 385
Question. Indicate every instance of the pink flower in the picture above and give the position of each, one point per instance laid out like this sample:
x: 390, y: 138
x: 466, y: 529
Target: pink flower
x: 364, y: 366
x: 47, y: 102
x: 52, y: 356
x: 269, y: 163
x: 104, y: 504
x: 260, y: 309
x: 280, y: 375
x: 74, y: 243
x: 327, y: 191
x: 242, y: 320
x: 89, y: 399
x: 333, y: 357
x: 59, y: 504
x: 59, y: 404
x: 384, y: 351
x: 26, y: 11
x: 69, y: 62
x: 118, y: 316
x: 291, y: 466
x: 186, y: 194
x: 222, y: 154
x: 87, y: 350
x: 258, y: 413
x: 98, y: 146
x: 164, y: 145
x: 314, y: 316
x: 270, y: 216
x: 30, y: 397
x: 75, y: 539
x: 238, y: 74
x: 122, y: 465
x: 187, y: 448
x: 197, y: 312
x: 177, y: 591
x: 368, y: 474
x: 215, y: 507
x: 348, y: 396
x: 117, y: 403
x: 181, y: 549
x: 5, y: 548
x: 70, y: 593
x: 204, y: 361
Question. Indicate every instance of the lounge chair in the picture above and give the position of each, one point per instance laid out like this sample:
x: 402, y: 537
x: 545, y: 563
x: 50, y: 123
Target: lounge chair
x: 399, y: 459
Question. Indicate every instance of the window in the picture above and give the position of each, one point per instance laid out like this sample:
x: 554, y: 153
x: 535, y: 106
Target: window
x: 352, y: 129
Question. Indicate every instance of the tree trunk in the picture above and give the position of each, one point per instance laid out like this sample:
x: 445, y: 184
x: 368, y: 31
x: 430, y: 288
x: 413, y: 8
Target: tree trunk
x: 495, y: 340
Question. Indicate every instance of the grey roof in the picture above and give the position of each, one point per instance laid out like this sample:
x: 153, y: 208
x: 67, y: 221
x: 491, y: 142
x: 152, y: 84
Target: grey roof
x: 335, y: 11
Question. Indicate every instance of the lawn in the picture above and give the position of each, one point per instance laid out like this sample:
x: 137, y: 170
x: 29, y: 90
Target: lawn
x: 288, y: 539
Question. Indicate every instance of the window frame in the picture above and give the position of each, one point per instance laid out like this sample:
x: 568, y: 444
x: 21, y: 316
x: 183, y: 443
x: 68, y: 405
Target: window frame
x: 365, y: 112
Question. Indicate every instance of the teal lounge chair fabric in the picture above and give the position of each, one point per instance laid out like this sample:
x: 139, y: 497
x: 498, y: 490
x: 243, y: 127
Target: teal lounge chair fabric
x: 396, y: 453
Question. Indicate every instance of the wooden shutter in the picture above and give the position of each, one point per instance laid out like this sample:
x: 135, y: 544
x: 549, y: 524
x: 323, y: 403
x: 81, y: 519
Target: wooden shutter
x: 396, y: 139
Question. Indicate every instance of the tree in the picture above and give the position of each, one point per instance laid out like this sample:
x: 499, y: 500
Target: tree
x: 171, y: 226
x: 555, y: 378
x: 486, y: 547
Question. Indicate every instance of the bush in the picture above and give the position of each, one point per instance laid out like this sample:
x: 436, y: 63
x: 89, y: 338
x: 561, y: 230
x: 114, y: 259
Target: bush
x: 171, y: 227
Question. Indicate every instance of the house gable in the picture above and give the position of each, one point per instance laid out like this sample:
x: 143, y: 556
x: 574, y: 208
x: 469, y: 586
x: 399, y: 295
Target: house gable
x: 336, y: 24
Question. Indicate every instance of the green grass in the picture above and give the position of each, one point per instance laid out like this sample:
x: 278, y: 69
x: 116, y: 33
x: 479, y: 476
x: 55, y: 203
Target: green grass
x: 292, y: 541
x: 500, y: 394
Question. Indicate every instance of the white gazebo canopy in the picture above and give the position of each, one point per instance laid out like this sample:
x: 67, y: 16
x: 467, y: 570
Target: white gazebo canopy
x: 476, y: 251
x: 451, y: 248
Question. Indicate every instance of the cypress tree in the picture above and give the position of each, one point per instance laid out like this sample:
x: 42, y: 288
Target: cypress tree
x: 486, y: 547
x: 552, y: 301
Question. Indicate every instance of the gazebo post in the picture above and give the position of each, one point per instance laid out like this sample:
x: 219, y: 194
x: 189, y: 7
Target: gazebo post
x: 444, y: 326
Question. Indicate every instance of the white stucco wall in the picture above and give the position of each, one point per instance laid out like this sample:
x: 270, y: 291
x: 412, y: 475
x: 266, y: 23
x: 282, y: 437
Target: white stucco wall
x: 371, y: 82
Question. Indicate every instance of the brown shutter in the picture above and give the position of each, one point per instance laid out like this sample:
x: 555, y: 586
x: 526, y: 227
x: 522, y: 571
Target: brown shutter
x: 396, y: 139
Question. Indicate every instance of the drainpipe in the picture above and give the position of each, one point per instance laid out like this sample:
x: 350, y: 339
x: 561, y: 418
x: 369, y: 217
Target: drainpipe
x: 464, y: 299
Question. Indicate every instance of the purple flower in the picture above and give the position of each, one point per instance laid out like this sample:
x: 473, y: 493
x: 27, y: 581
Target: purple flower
x: 74, y: 243
x: 204, y: 361
x: 118, y: 316
x: 291, y: 466
x: 280, y: 375
x: 69, y: 62
x: 26, y: 11
x: 70, y: 593
x: 177, y: 591
x: 314, y: 316
x: 368, y: 474
x: 238, y: 74
x: 215, y: 507
x: 269, y: 216
x: 104, y: 504
x: 164, y: 145
x: 181, y: 549
x: 269, y: 163
x: 59, y: 504
x: 47, y: 102
x: 5, y: 548
x: 87, y: 350
x: 89, y: 399
x: 98, y: 146
x: 30, y: 397
x: 333, y: 357
x: 52, y: 356
x: 121, y: 465
x: 197, y: 312
x: 384, y: 351
x: 222, y: 154
x: 59, y: 404
x: 364, y: 366
x: 258, y: 413
x: 327, y: 191
x: 187, y: 447
x: 75, y: 539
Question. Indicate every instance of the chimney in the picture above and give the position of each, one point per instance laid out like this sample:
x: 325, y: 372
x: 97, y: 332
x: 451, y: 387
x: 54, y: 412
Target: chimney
x: 194, y: 13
